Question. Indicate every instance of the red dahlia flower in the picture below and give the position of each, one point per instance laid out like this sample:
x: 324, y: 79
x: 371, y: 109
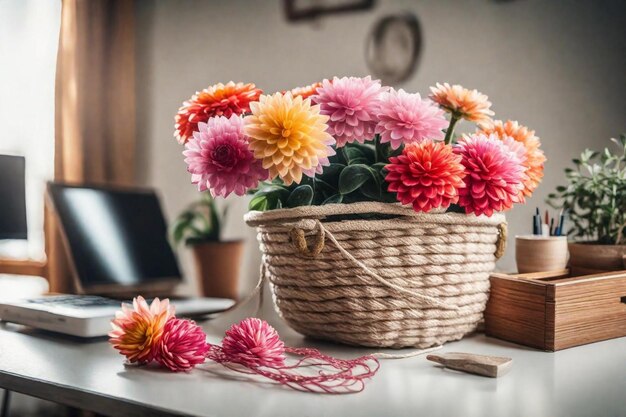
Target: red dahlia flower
x: 427, y: 175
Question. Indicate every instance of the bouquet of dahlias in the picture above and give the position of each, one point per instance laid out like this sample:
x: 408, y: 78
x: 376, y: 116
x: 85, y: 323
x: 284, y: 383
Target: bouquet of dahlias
x: 351, y: 139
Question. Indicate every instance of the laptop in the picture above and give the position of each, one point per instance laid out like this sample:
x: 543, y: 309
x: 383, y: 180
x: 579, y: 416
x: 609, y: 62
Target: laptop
x: 118, y: 247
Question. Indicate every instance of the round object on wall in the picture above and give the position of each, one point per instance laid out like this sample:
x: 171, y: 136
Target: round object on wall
x: 394, y: 47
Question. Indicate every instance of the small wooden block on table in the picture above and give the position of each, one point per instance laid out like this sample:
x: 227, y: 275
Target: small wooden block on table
x: 491, y: 366
x: 554, y: 311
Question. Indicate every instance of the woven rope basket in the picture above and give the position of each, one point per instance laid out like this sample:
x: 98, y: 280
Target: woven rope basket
x: 405, y: 279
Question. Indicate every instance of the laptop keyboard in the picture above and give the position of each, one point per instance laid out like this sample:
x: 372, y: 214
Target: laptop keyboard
x: 76, y: 301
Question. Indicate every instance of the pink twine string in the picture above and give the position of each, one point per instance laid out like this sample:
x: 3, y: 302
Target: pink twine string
x: 251, y: 346
x: 327, y: 374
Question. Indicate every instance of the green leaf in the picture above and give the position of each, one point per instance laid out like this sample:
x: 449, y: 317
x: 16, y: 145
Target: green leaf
x: 273, y: 189
x: 331, y: 174
x: 333, y: 199
x: 301, y: 196
x: 351, y: 154
x: 258, y: 203
x: 372, y: 190
x: 178, y: 229
x: 324, y: 186
x: 380, y: 166
x: 353, y: 176
x: 367, y: 151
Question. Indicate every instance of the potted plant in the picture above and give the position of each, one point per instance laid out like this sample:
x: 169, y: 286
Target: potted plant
x: 217, y: 262
x: 377, y: 225
x: 595, y: 204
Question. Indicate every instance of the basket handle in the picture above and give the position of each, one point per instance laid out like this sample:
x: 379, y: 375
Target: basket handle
x: 322, y: 233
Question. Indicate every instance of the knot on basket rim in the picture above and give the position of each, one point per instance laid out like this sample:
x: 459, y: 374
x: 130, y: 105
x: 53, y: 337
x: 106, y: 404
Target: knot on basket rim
x: 502, y: 238
x: 298, y: 238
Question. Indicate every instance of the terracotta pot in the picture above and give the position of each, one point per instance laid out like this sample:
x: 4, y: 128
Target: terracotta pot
x: 217, y: 267
x: 589, y: 258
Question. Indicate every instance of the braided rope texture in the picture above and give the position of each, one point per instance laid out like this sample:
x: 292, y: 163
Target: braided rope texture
x: 403, y: 279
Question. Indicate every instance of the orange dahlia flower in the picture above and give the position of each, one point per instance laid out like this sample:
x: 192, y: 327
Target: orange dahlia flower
x: 535, y: 157
x: 461, y: 102
x: 289, y: 136
x: 307, y: 91
x: 138, y: 328
x: 217, y: 100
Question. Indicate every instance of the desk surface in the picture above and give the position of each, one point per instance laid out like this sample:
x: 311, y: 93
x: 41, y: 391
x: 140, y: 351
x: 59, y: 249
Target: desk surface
x: 585, y: 381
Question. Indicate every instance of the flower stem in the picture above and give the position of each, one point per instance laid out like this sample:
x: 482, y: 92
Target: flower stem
x: 377, y: 148
x: 450, y: 130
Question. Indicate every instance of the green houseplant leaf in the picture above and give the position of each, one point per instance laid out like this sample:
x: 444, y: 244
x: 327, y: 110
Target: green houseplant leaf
x: 300, y: 196
x: 595, y: 199
x: 353, y: 176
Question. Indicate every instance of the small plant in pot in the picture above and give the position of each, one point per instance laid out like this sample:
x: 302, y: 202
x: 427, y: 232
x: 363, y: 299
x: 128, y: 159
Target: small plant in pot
x: 595, y: 203
x: 217, y: 262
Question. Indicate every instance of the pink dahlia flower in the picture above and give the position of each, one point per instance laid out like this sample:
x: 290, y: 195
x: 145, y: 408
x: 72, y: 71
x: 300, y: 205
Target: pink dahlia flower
x: 535, y: 157
x: 351, y: 104
x: 519, y: 150
x: 182, y: 346
x: 219, y: 160
x: 426, y: 175
x: 137, y: 329
x: 406, y: 118
x: 494, y: 175
x: 253, y: 342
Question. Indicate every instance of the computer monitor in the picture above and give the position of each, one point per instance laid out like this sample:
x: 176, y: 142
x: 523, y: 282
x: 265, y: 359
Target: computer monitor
x: 117, y: 238
x: 12, y: 197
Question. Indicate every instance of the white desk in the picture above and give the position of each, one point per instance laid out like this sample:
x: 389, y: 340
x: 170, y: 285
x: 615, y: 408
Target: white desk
x: 588, y: 381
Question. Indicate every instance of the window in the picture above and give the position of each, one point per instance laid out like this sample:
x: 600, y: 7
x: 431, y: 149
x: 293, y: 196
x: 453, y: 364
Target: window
x: 29, y: 33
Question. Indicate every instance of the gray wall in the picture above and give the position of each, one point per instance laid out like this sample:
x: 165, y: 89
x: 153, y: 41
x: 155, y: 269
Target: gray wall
x: 557, y: 66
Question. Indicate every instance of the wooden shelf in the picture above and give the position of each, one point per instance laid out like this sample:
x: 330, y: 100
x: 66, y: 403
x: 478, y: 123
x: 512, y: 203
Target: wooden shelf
x: 23, y: 267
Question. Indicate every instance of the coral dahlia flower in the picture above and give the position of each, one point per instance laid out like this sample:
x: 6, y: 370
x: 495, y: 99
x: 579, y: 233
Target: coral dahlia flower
x: 253, y: 342
x: 426, y: 175
x: 138, y: 328
x: 217, y: 100
x: 461, y: 102
x: 219, y: 160
x: 289, y: 136
x: 405, y: 118
x: 535, y: 157
x: 182, y: 346
x: 351, y: 104
x: 307, y: 91
x: 494, y: 175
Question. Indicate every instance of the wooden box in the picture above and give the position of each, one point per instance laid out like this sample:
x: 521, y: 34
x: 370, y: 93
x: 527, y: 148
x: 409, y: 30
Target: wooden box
x: 554, y: 311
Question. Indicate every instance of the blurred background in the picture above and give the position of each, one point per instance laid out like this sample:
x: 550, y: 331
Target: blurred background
x: 81, y: 80
x: 555, y: 66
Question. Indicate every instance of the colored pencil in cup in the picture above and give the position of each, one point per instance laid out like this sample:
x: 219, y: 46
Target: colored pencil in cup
x: 552, y: 229
x: 561, y: 223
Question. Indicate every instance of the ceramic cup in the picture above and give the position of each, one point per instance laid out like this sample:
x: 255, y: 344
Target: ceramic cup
x: 540, y: 253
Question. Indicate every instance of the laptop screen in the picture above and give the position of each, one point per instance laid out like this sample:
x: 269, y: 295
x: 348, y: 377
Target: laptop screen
x: 116, y: 237
x: 12, y: 197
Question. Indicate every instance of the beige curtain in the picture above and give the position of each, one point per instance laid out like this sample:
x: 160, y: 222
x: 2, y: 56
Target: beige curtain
x: 95, y: 107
